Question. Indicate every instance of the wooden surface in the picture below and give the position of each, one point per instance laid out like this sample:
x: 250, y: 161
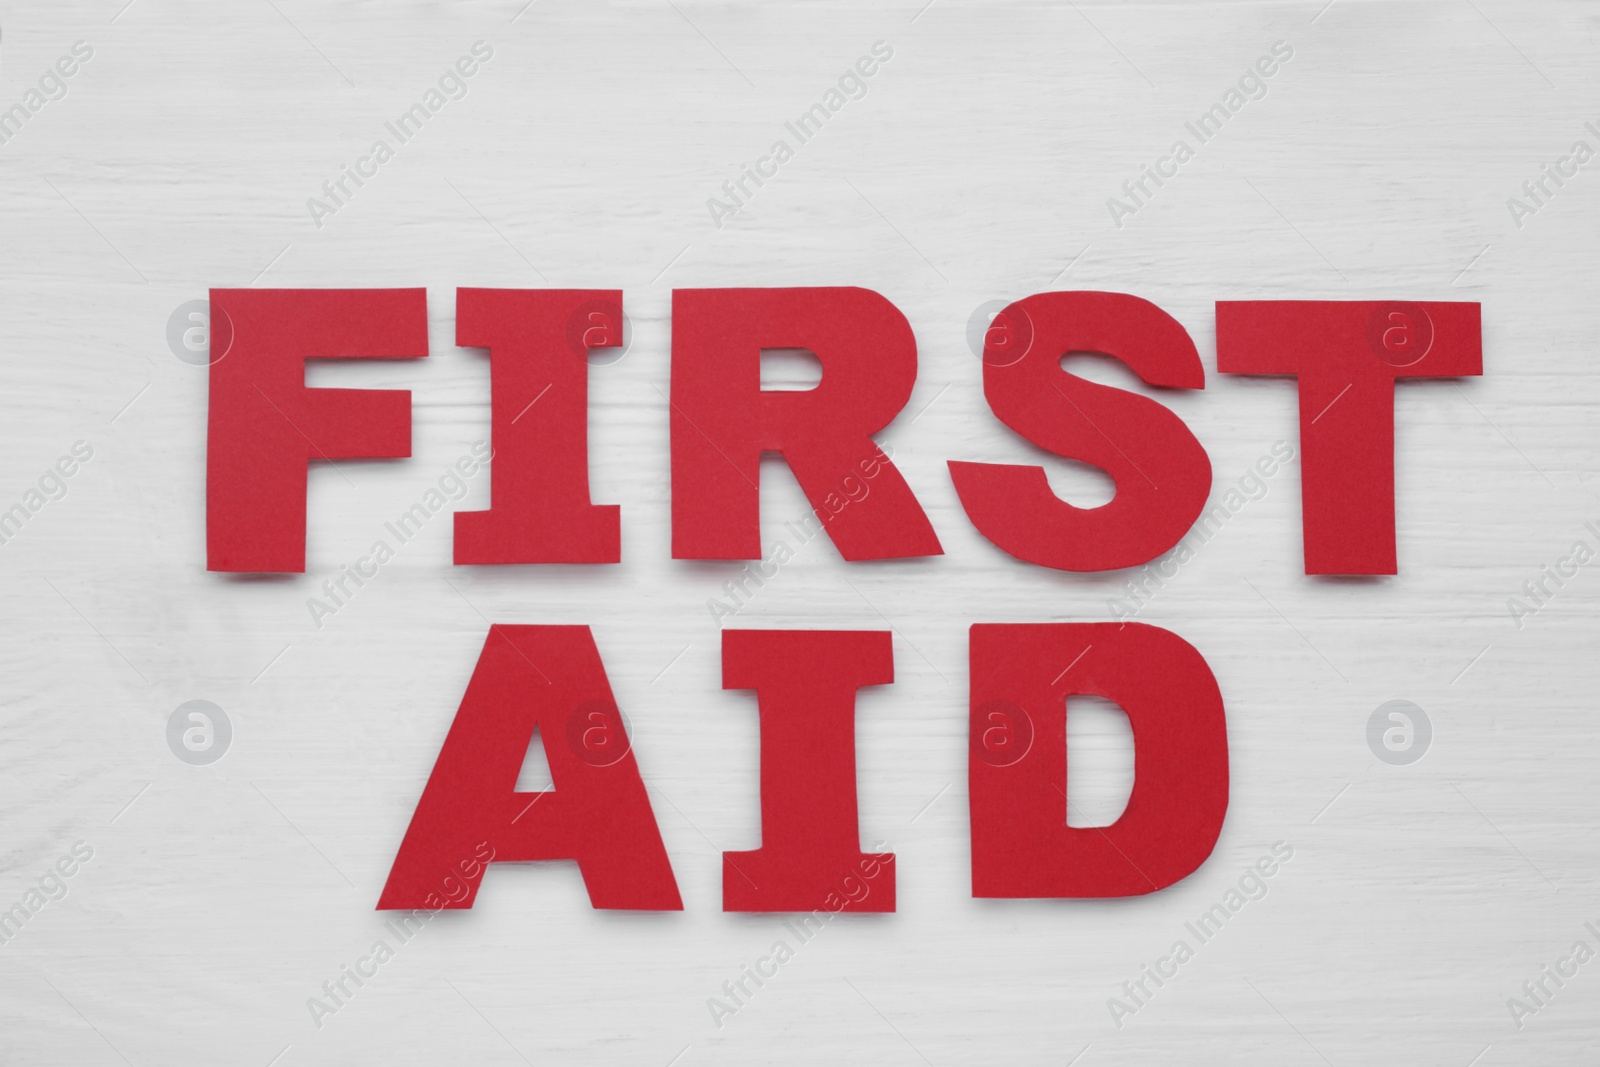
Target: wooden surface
x: 978, y: 165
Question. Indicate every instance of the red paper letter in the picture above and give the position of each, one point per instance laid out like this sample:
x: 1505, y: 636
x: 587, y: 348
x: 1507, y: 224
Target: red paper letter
x: 265, y: 425
x: 1022, y: 676
x: 539, y: 341
x: 805, y: 683
x: 548, y: 678
x: 722, y: 420
x: 1347, y: 355
x: 1162, y: 473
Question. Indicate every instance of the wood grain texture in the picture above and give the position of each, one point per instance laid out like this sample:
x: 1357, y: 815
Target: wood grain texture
x: 976, y: 167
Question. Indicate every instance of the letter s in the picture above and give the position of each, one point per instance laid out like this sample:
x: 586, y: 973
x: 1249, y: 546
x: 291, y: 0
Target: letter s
x: 1162, y: 473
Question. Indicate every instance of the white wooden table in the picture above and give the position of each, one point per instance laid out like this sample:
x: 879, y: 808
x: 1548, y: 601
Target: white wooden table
x: 977, y: 166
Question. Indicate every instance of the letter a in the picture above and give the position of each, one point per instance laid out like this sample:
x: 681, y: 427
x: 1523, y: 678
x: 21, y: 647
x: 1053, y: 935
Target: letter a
x: 548, y: 678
